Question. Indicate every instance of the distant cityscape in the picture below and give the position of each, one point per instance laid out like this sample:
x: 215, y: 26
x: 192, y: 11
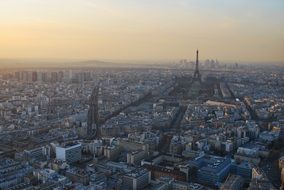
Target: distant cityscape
x: 192, y: 125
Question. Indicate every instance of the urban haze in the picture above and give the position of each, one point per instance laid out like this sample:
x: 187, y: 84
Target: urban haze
x: 141, y: 95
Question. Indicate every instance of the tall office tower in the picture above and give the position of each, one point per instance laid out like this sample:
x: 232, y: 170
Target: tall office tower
x: 34, y: 76
x: 18, y: 76
x: 197, y: 75
x: 93, y: 113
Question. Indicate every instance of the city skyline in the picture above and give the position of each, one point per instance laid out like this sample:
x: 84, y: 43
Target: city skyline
x: 141, y: 95
x: 144, y: 30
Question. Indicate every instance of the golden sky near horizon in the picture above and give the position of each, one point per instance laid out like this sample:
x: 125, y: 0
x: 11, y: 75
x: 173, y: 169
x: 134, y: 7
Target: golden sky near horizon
x: 233, y: 30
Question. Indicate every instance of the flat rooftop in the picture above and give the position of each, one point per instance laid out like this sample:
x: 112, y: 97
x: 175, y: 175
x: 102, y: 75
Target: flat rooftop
x: 213, y: 164
x: 137, y: 173
x: 69, y: 145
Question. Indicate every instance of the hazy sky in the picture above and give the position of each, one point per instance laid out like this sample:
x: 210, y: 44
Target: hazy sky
x: 236, y: 30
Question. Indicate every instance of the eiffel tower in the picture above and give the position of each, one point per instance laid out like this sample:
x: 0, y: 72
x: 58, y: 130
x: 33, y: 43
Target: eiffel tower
x: 197, y: 75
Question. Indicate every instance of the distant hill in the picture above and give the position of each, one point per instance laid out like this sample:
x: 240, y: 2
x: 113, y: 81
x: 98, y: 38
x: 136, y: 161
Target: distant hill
x: 30, y: 63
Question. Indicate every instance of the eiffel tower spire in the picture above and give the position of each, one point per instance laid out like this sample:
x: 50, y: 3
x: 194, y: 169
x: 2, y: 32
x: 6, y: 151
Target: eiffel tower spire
x: 197, y: 75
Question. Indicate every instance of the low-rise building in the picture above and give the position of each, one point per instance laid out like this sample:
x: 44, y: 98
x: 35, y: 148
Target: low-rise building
x: 135, y: 157
x: 212, y: 170
x: 233, y: 182
x: 137, y: 179
x: 69, y: 153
